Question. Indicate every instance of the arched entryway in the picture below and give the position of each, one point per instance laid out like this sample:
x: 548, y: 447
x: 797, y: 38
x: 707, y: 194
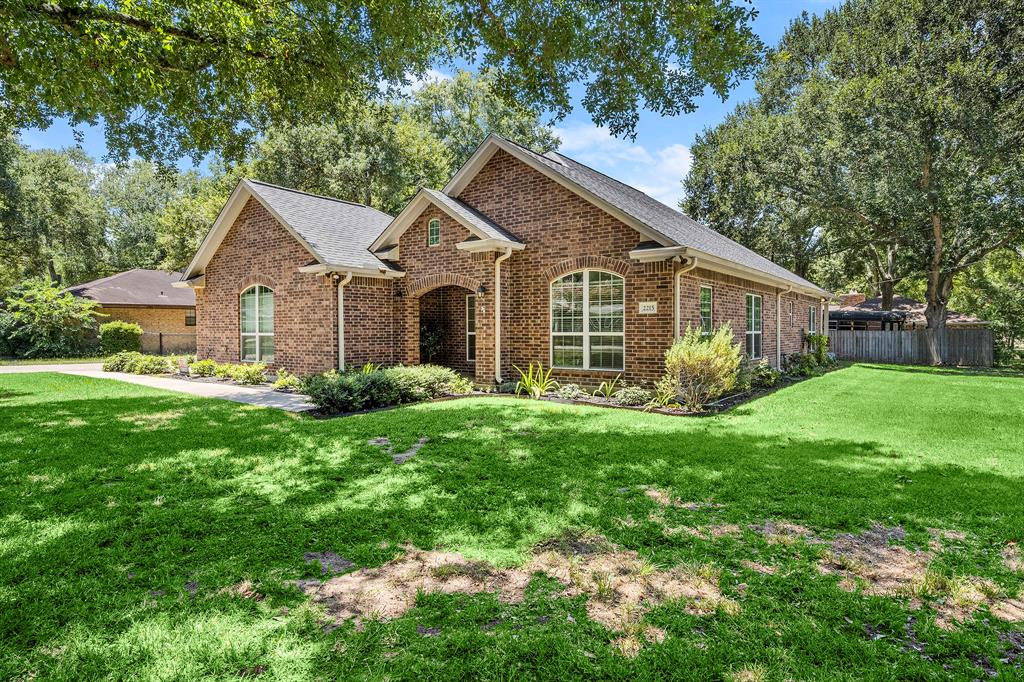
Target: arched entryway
x: 448, y: 328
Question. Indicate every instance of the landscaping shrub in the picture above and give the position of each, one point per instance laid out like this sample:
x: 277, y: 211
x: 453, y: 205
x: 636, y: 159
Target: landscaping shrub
x: 763, y: 375
x: 40, y: 320
x: 633, y: 396
x: 223, y: 370
x: 335, y: 393
x: 249, y: 373
x: 570, y: 392
x: 117, y: 336
x: 801, y: 365
x: 817, y: 345
x: 421, y: 382
x: 702, y: 367
x: 510, y: 386
x: 535, y: 382
x: 203, y: 368
x: 286, y: 381
x: 607, y: 388
x: 138, y: 363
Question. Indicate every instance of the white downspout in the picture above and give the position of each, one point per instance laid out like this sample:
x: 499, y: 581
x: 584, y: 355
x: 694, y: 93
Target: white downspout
x: 497, y: 314
x: 778, y: 326
x: 675, y: 293
x: 341, y: 320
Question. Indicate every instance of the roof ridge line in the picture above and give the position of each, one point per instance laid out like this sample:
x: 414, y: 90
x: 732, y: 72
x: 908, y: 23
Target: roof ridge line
x: 312, y: 194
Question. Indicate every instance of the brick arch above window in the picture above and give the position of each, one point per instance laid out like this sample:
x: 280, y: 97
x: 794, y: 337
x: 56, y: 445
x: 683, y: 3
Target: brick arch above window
x: 422, y: 285
x: 253, y: 280
x: 564, y: 267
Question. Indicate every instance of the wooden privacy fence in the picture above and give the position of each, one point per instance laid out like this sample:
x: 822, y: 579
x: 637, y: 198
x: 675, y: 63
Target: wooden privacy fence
x: 966, y: 347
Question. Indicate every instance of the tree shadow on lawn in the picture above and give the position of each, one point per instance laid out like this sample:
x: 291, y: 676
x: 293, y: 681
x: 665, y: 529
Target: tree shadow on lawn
x: 112, y: 505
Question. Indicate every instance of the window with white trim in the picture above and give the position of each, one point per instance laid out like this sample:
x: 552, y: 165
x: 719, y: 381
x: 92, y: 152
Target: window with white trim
x: 256, y: 313
x: 471, y: 327
x: 588, y: 319
x: 812, y: 319
x: 754, y: 336
x: 434, y: 232
x: 706, y: 305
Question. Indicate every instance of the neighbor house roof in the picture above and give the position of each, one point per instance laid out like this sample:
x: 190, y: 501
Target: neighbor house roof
x: 665, y: 225
x: 335, y: 232
x: 909, y: 309
x: 138, y: 287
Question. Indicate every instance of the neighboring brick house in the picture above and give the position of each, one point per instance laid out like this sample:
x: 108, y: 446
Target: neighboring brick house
x: 523, y: 257
x: 856, y: 312
x: 166, y: 313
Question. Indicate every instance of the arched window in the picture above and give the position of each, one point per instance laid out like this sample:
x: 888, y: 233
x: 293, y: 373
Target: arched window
x: 588, y: 321
x: 256, y: 307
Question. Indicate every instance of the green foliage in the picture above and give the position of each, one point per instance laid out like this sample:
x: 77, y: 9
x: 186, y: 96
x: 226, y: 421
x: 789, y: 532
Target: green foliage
x: 700, y: 367
x: 116, y: 336
x: 569, y: 392
x: 133, y: 362
x: 286, y: 381
x: 223, y: 370
x: 818, y: 345
x: 423, y: 382
x: 801, y: 365
x: 251, y: 373
x: 203, y: 368
x: 606, y: 389
x: 666, y: 393
x: 147, y: 68
x: 39, y: 320
x: 337, y: 393
x: 535, y: 382
x: 370, y: 367
x: 763, y: 375
x: 633, y: 396
x: 993, y: 290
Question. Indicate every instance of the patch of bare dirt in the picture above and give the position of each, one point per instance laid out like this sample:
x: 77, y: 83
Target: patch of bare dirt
x: 665, y: 499
x: 384, y: 443
x: 329, y: 562
x: 245, y: 589
x: 758, y: 568
x: 1012, y: 557
x: 868, y: 560
x: 620, y: 586
x: 784, y: 532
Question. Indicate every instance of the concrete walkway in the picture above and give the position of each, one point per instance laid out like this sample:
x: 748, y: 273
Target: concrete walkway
x: 250, y: 395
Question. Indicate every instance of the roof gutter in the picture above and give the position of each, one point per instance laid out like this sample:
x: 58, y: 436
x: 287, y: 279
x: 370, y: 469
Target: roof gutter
x: 778, y: 326
x: 327, y: 268
x: 477, y: 245
x: 497, y: 313
x: 340, y: 282
x: 675, y: 290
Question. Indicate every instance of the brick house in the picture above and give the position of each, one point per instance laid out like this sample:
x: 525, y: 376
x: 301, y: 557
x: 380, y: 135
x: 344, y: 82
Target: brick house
x: 149, y: 298
x: 521, y: 257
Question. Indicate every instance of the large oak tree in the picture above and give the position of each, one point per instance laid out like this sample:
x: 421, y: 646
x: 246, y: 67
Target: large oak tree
x: 177, y: 77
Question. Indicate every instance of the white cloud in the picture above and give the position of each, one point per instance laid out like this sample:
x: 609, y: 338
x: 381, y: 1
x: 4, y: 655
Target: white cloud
x: 657, y: 173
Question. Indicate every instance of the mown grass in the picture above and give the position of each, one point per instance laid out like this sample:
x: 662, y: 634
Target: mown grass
x: 49, y: 361
x: 118, y: 501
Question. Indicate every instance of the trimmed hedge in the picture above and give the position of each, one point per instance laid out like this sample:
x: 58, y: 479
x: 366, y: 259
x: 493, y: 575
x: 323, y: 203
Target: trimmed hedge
x: 336, y: 393
x: 138, y: 363
x: 118, y: 336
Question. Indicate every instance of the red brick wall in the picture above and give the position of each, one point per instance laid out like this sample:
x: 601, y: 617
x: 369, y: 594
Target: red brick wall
x: 258, y: 250
x: 445, y: 308
x: 369, y: 321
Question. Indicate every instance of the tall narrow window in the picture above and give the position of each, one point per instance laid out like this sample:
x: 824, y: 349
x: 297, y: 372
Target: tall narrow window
x: 705, y: 309
x: 753, y: 326
x: 434, y: 232
x: 792, y: 318
x: 256, y: 306
x: 471, y: 327
x: 588, y: 311
x: 812, y: 319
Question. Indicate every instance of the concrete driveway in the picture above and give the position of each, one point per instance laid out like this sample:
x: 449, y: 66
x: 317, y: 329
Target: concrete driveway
x: 262, y: 396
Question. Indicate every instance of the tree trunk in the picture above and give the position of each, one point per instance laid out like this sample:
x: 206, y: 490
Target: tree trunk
x: 886, y: 288
x: 52, y: 271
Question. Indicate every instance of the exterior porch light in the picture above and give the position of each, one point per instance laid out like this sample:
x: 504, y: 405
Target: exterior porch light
x: 481, y: 290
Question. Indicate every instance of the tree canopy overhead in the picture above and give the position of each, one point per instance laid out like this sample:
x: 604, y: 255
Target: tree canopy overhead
x: 173, y: 78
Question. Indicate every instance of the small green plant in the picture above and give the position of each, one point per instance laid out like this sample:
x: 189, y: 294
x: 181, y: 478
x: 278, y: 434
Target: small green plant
x: 666, y: 394
x: 570, y: 392
x: 632, y: 396
x: 535, y: 383
x: 817, y: 345
x: 223, y: 370
x: 286, y: 381
x: 607, y: 389
x: 370, y: 367
x: 763, y: 375
x: 117, y: 336
x: 801, y: 365
x: 203, y: 368
x: 138, y: 363
x: 249, y: 373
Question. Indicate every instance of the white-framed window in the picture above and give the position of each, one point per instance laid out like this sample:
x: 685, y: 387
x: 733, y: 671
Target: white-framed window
x: 588, y: 319
x: 471, y: 327
x: 256, y: 313
x: 706, y: 309
x: 812, y: 319
x: 434, y: 232
x: 754, y: 336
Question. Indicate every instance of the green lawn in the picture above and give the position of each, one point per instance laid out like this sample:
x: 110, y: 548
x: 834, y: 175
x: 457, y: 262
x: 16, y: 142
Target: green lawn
x: 118, y: 502
x: 49, y: 361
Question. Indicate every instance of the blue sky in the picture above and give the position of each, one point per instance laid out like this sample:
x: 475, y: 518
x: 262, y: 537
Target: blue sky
x: 655, y: 162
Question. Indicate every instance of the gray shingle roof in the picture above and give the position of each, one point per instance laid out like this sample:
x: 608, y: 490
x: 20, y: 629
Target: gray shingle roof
x: 340, y: 232
x: 137, y: 288
x: 472, y: 216
x: 673, y: 225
